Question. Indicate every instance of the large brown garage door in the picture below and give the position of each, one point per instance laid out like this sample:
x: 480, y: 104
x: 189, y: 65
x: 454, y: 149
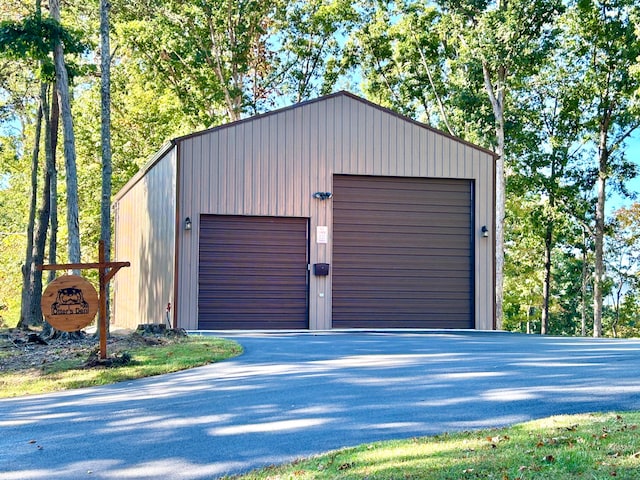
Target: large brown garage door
x: 402, y: 253
x: 253, y: 273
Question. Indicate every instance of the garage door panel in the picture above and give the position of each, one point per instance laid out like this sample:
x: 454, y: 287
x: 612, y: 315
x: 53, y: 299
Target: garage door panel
x: 388, y: 187
x: 387, y: 320
x: 402, y: 252
x: 346, y: 230
x: 280, y: 286
x: 435, y: 205
x: 373, y: 218
x: 249, y: 267
x: 253, y: 273
x: 401, y: 241
x: 443, y: 258
x: 397, y: 290
x: 249, y: 243
x: 409, y: 312
x: 239, y: 309
x: 419, y: 280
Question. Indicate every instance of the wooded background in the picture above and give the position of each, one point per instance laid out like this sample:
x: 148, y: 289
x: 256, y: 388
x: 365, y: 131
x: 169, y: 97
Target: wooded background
x: 553, y: 87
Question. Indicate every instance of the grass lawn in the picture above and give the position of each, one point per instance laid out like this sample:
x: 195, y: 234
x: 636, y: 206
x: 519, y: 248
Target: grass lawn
x: 593, y: 446
x: 65, y: 367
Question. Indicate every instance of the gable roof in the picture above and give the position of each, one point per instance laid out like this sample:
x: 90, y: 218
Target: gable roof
x: 167, y: 147
x: 341, y: 93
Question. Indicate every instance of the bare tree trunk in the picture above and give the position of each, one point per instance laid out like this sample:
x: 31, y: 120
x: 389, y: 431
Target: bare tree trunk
x: 546, y: 286
x: 43, y: 213
x: 27, y: 269
x: 50, y: 149
x: 62, y: 80
x: 598, y: 277
x: 105, y: 135
x: 496, y: 93
x: 585, y: 281
x: 548, y: 248
x: 53, y: 234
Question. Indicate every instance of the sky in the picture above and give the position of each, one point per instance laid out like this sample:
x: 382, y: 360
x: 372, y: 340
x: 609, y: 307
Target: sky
x: 633, y: 154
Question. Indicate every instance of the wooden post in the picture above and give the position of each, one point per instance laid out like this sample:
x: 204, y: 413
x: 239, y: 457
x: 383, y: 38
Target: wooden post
x: 104, y: 277
x: 102, y: 295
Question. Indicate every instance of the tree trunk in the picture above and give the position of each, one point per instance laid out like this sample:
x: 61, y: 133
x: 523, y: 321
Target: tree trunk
x: 548, y: 248
x: 50, y: 151
x: 496, y: 93
x: 546, y: 286
x: 43, y: 213
x: 62, y: 80
x: 28, y: 268
x: 583, y: 288
x: 105, y: 135
x: 598, y: 276
x: 53, y: 233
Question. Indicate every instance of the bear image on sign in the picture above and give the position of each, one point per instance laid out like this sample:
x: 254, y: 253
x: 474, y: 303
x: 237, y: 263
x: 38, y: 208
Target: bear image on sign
x: 69, y: 303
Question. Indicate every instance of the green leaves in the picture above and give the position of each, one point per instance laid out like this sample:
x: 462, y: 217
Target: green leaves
x: 35, y: 37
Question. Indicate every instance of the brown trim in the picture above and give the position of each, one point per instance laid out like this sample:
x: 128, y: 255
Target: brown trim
x: 493, y: 246
x: 474, y: 256
x: 178, y: 232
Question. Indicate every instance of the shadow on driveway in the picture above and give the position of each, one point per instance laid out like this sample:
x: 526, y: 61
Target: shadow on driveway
x: 293, y: 395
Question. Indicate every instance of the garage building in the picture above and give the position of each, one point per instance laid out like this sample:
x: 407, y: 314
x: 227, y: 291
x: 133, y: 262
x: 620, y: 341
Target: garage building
x: 332, y: 213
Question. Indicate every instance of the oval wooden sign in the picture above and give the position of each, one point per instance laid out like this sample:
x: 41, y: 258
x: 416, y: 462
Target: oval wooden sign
x: 69, y: 303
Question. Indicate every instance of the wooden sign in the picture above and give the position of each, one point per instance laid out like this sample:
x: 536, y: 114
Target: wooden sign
x: 69, y: 303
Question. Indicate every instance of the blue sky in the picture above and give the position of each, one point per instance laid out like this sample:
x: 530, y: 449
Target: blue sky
x: 633, y: 154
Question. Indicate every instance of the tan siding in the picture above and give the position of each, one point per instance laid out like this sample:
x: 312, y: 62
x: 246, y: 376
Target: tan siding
x: 145, y: 236
x: 190, y: 163
x: 271, y: 165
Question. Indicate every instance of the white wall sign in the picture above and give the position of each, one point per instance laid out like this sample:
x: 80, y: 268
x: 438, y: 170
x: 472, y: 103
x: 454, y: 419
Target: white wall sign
x: 322, y: 234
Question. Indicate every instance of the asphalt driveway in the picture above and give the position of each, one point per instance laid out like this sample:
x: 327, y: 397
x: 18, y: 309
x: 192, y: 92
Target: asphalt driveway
x: 292, y: 395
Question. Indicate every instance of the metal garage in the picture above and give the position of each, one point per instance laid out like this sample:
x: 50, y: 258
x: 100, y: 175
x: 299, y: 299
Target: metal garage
x: 253, y: 273
x: 402, y: 252
x: 224, y: 227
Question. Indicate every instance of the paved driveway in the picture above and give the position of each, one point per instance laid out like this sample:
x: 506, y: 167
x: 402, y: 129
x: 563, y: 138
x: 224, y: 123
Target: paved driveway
x: 292, y: 395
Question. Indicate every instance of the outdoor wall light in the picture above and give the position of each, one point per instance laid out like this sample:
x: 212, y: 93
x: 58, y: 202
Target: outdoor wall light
x: 322, y: 195
x: 187, y: 223
x: 485, y: 231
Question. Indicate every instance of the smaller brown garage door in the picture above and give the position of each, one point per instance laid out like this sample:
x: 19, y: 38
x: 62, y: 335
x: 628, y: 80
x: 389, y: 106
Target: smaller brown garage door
x: 253, y: 273
x: 402, y: 252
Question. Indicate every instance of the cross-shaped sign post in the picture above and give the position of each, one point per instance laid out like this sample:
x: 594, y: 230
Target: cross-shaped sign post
x: 69, y: 298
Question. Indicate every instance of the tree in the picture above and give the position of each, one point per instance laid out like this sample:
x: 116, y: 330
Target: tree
x: 105, y: 136
x: 603, y: 44
x: 34, y: 37
x: 544, y: 154
x: 309, y: 50
x: 212, y: 54
x: 507, y: 41
x: 30, y: 38
x: 47, y: 214
x: 71, y: 175
x: 399, y: 54
x: 623, y: 261
x: 523, y: 273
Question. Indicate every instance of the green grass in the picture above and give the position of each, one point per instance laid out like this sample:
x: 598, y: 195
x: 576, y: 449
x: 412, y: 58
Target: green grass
x: 146, y: 361
x: 592, y: 446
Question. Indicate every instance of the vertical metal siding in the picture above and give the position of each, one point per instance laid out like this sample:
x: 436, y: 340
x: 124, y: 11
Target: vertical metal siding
x: 271, y: 165
x: 145, y: 236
